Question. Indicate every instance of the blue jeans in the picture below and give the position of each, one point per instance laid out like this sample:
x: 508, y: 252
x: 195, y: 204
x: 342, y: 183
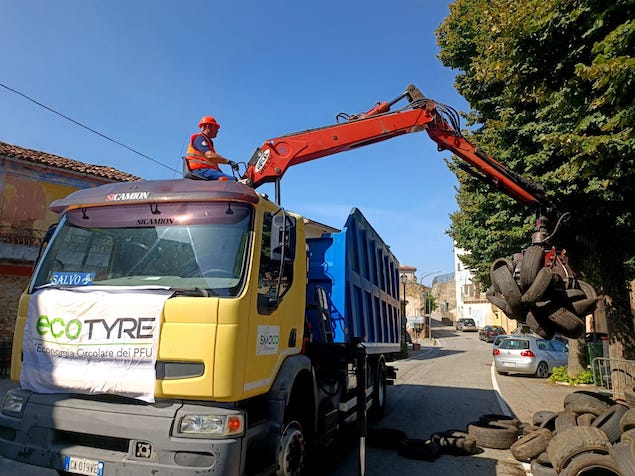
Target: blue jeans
x: 212, y: 174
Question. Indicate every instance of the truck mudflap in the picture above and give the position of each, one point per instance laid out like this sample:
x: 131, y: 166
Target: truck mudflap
x: 101, y: 437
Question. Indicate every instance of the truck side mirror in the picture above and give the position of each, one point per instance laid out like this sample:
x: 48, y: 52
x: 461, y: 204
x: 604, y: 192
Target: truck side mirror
x: 45, y: 241
x: 283, y: 238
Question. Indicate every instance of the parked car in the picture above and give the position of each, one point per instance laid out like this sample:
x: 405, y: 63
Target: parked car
x: 489, y: 333
x: 530, y: 355
x: 466, y: 325
x: 497, y: 340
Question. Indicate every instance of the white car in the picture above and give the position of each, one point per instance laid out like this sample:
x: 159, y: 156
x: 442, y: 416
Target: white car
x: 528, y: 354
x: 466, y: 324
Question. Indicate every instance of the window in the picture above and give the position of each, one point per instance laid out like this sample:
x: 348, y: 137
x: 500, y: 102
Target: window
x: 276, y: 259
x: 192, y: 246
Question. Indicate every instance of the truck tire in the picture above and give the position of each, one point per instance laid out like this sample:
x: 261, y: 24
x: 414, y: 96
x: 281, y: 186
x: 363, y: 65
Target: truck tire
x: 590, y: 464
x: 584, y: 306
x: 494, y: 436
x: 292, y: 450
x: 379, y: 395
x: 565, y: 446
x: 583, y: 401
x: 530, y: 446
x: 609, y: 421
x: 533, y: 261
x: 589, y: 290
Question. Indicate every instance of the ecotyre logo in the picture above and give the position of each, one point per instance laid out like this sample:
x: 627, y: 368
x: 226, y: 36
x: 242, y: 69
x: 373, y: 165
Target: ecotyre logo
x: 132, y: 327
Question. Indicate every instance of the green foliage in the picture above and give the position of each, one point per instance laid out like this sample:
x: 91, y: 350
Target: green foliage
x: 560, y: 374
x: 551, y: 89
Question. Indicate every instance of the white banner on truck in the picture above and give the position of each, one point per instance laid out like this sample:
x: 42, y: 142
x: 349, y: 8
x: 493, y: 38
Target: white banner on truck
x: 87, y: 340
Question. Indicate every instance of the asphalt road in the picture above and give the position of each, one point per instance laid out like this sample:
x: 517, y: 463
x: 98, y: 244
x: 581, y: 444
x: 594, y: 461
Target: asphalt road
x: 444, y: 386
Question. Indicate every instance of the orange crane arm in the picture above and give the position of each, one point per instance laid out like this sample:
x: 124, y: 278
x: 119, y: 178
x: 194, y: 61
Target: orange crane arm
x: 271, y: 161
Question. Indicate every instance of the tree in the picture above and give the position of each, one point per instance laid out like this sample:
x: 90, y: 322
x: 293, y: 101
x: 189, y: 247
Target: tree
x: 551, y: 89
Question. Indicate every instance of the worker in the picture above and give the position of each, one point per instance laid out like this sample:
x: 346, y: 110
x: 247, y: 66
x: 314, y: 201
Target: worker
x: 202, y: 159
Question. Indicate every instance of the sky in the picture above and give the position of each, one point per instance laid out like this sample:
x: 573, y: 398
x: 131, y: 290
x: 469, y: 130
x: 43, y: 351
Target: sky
x: 144, y: 73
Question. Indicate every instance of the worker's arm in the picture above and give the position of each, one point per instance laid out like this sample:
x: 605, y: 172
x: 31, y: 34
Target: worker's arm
x: 214, y: 157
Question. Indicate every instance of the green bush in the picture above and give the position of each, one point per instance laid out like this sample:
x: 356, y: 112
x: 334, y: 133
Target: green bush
x: 561, y: 374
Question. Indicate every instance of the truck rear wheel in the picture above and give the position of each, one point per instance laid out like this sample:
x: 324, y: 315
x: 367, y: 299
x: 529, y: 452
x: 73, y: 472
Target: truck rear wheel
x: 378, y: 408
x: 292, y: 450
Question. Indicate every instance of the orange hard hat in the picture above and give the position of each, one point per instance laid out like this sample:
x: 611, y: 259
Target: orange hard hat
x: 208, y: 120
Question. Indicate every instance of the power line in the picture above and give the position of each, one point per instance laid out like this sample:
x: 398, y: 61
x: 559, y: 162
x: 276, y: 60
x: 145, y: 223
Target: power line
x: 86, y: 127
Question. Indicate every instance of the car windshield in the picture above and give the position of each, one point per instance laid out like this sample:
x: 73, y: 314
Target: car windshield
x: 198, y: 246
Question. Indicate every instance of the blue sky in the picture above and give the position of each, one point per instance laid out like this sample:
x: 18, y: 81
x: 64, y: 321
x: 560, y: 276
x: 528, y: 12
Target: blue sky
x: 144, y: 73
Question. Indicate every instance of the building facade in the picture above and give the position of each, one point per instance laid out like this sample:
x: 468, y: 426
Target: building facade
x: 29, y: 181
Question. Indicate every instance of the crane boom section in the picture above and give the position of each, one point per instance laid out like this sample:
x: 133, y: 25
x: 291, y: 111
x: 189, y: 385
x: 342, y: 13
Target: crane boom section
x: 272, y: 160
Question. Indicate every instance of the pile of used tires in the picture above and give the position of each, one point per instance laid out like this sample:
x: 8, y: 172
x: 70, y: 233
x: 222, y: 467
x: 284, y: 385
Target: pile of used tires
x: 592, y: 435
x: 539, y: 289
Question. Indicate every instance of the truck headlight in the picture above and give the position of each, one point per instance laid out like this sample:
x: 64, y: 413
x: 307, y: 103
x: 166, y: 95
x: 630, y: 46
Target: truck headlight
x: 13, y: 404
x: 218, y: 425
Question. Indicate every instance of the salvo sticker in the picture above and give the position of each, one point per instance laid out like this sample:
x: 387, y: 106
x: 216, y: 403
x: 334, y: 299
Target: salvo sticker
x: 268, y: 339
x: 61, y: 278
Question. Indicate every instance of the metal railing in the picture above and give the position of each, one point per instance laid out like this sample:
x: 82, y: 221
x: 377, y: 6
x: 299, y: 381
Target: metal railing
x: 613, y: 376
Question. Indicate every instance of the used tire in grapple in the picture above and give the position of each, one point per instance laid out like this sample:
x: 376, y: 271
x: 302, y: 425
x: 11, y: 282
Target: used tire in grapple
x: 533, y: 261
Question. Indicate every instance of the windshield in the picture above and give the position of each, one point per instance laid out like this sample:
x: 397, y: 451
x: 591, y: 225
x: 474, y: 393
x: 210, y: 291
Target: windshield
x: 196, y: 246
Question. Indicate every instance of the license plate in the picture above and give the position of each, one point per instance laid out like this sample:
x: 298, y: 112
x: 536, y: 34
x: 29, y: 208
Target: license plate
x: 89, y: 467
x: 509, y: 364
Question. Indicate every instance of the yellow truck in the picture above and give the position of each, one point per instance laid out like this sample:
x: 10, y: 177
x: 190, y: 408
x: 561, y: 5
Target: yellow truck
x: 196, y: 327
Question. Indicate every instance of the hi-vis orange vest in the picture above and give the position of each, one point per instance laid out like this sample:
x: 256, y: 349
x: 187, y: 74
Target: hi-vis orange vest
x: 195, y: 159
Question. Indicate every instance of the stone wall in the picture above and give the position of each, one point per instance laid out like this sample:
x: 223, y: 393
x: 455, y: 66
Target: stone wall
x: 11, y: 288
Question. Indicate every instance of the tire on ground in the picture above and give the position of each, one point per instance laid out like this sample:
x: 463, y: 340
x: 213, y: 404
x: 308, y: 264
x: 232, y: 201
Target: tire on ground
x: 564, y: 446
x: 454, y: 442
x: 385, y: 438
x: 591, y: 464
x: 500, y: 419
x: 628, y: 420
x: 542, y: 468
x: 566, y: 419
x: 530, y: 446
x: 415, y: 448
x: 609, y: 421
x: 624, y: 456
x: 541, y: 416
x: 586, y: 419
x: 583, y: 401
x: 490, y: 435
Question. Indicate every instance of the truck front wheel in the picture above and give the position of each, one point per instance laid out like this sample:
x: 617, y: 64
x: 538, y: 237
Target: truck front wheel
x: 292, y: 450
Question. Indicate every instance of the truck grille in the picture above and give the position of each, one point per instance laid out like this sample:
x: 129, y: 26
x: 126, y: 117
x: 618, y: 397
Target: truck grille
x: 94, y: 441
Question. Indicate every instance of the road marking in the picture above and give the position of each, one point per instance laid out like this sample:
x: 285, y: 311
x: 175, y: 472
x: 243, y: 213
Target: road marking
x: 501, y: 403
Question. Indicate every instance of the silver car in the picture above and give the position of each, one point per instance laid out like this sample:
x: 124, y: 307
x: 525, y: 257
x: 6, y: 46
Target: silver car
x: 466, y: 324
x: 528, y: 354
